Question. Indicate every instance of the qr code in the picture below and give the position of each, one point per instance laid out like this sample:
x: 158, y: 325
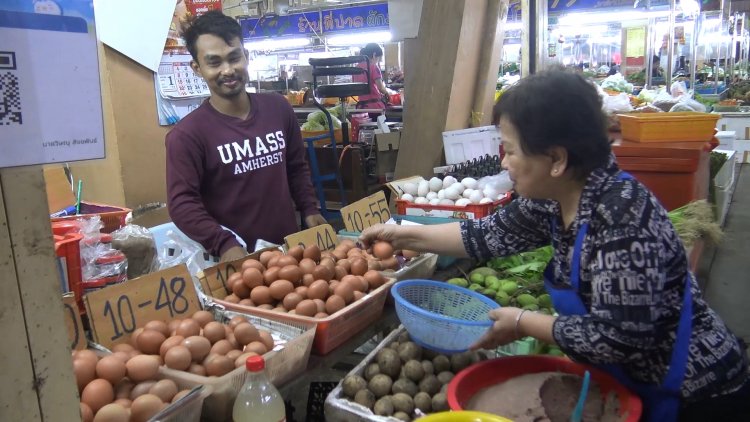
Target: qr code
x: 10, y: 91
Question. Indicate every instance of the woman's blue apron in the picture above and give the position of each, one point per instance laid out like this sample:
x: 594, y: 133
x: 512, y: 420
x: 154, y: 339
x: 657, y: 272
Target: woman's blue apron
x: 660, y: 402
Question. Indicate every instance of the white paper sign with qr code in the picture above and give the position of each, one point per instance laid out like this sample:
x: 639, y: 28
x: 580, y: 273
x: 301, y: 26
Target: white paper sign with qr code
x: 50, y: 98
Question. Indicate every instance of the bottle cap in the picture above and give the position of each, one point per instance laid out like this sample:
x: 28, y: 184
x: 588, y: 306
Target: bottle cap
x: 255, y: 363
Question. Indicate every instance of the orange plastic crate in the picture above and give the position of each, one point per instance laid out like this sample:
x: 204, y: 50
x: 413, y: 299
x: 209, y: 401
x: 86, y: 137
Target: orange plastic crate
x: 668, y: 127
x: 338, y: 135
x: 112, y: 217
x: 470, y: 211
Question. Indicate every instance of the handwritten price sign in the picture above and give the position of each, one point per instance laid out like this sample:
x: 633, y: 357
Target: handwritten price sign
x: 214, y: 279
x: 73, y: 322
x: 115, y: 312
x: 366, y: 212
x: 324, y: 236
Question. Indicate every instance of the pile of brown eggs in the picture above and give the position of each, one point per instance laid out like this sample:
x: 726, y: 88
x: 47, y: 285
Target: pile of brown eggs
x: 309, y: 282
x: 123, y: 386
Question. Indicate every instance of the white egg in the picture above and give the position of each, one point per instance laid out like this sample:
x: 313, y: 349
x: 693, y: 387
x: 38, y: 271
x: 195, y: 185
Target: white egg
x: 448, y: 181
x: 410, y: 188
x: 467, y: 193
x: 431, y: 195
x: 469, y: 182
x: 458, y: 187
x: 452, y: 193
x: 435, y: 184
x: 462, y: 202
x: 407, y: 197
x: 490, y: 192
x: 446, y: 201
x: 475, y: 197
x: 423, y: 188
x: 441, y: 194
x: 434, y: 201
x: 421, y: 200
x: 485, y: 201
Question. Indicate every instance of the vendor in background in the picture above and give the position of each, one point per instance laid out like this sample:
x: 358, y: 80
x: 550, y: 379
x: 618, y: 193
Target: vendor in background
x: 656, y: 70
x: 378, y: 95
x: 238, y: 160
x: 619, y: 277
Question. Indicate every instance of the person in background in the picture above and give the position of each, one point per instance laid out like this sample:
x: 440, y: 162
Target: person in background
x: 378, y: 91
x: 238, y: 160
x: 619, y: 276
x: 656, y: 70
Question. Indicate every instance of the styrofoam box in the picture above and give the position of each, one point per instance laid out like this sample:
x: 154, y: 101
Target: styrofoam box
x: 466, y: 144
x: 742, y: 146
x: 726, y: 139
x: 735, y: 122
x: 724, y: 185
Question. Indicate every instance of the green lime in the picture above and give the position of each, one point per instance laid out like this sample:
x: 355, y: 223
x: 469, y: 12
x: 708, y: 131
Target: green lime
x: 477, y: 278
x: 527, y: 299
x: 461, y: 282
x: 545, y: 300
x: 510, y: 287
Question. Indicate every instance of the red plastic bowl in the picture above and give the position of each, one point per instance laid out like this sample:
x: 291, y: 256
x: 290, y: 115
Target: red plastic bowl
x: 490, y: 372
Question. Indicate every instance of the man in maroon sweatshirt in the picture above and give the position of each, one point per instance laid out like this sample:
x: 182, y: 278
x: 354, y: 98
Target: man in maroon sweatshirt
x: 238, y: 160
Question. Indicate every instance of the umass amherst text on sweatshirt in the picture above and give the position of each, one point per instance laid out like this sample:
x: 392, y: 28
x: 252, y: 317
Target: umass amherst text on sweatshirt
x: 243, y: 174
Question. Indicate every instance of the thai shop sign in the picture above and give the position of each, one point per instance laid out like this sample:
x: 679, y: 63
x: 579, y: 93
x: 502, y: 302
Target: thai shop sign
x: 374, y: 16
x: 588, y: 5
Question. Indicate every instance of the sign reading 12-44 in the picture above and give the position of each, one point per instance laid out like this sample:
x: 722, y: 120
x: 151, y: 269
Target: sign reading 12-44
x: 50, y: 100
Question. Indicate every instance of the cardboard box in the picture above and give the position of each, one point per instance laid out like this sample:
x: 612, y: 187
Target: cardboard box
x: 387, y: 145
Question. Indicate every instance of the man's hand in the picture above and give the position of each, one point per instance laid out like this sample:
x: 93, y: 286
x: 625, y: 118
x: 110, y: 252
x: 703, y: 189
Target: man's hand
x: 233, y: 253
x: 314, y: 220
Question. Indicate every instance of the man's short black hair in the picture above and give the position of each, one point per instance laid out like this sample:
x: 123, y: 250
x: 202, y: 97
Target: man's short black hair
x: 558, y: 107
x: 214, y: 23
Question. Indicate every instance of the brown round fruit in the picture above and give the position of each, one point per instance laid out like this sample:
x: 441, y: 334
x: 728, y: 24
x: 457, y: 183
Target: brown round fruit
x: 335, y: 304
x: 251, y: 263
x: 246, y: 333
x: 382, y: 250
x: 214, y: 331
x: 318, y: 290
x: 203, y: 317
x: 170, y: 343
x: 252, y: 277
x: 292, y: 299
x: 261, y: 295
x: 199, y: 347
x: 280, y: 288
x: 306, y: 308
x: 179, y: 358
x: 188, y: 327
x: 150, y: 341
x: 271, y: 275
x: 312, y: 252
x: 297, y: 252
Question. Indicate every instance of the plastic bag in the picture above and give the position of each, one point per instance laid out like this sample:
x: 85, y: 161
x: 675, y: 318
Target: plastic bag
x: 178, y: 249
x: 678, y: 89
x: 137, y: 243
x: 496, y: 185
x: 101, y: 264
x: 687, y: 103
x: 613, y: 104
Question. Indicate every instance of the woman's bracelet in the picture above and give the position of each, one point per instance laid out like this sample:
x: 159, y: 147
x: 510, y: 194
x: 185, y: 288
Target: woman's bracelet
x: 518, y: 321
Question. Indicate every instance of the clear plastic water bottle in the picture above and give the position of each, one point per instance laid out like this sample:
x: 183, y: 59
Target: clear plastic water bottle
x: 258, y: 400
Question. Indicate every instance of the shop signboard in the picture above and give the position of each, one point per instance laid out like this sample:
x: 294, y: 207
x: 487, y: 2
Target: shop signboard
x: 50, y: 96
x: 591, y: 5
x: 357, y: 18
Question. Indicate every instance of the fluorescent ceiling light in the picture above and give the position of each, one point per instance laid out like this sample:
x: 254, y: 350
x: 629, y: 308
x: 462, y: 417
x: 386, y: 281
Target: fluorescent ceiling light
x: 360, y: 39
x: 588, y: 18
x: 277, y: 43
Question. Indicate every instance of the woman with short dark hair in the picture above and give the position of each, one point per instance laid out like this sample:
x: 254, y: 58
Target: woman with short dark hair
x: 378, y: 95
x: 619, y: 277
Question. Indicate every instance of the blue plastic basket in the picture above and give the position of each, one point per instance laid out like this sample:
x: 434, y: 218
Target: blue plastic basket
x: 441, y: 316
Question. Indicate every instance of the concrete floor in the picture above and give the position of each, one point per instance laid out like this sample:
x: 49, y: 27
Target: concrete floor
x: 727, y: 287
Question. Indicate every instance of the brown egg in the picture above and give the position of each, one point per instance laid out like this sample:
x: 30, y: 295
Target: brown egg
x: 221, y: 347
x: 123, y: 356
x: 273, y: 262
x: 267, y: 339
x: 355, y: 283
x: 291, y: 273
x: 242, y: 359
x: 188, y: 327
x: 271, y: 275
x: 197, y: 369
x: 265, y: 257
x: 382, y: 250
x: 359, y: 266
x: 292, y: 300
x: 302, y: 291
x: 307, y: 265
x: 173, y: 324
x: 321, y: 315
x: 164, y: 389
x: 150, y: 341
x: 390, y: 263
x: 234, y: 354
x: 339, y: 272
x: 122, y: 347
x: 112, y: 412
x: 134, y: 337
x: 307, y: 280
x: 178, y: 357
x: 339, y: 253
x: 124, y: 403
x: 318, y: 290
x: 123, y: 389
x: 252, y: 277
x: 256, y: 347
x: 87, y: 415
x: 232, y: 280
x: 251, y: 263
x: 353, y: 253
x: 219, y: 365
x: 170, y: 343
x: 142, y: 368
x: 312, y: 252
x: 198, y: 346
x: 235, y: 321
x: 246, y: 333
x: 240, y: 289
x: 280, y: 309
x: 348, y: 243
x: 159, y: 326
x: 334, y: 304
x: 329, y: 263
x: 332, y: 286
x: 280, y: 288
x: 374, y: 279
x: 266, y: 306
x: 287, y: 260
x: 358, y: 295
x: 145, y: 407
x: 111, y: 368
x: 97, y: 394
x: 306, y: 308
x: 232, y: 340
x: 180, y: 395
x: 246, y: 302
x: 214, y: 331
x: 84, y: 370
x: 261, y: 295
x: 297, y: 252
x: 141, y: 389
x: 346, y: 291
x: 321, y: 304
x: 322, y: 272
x: 232, y: 298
